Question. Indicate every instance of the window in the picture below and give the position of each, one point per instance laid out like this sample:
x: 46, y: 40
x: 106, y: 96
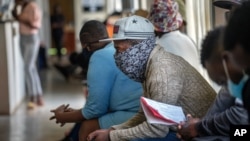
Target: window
x: 93, y: 5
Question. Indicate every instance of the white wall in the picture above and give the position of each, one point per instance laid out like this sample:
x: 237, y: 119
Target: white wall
x: 45, y: 29
x: 19, y: 84
x: 81, y: 17
x: 219, y: 16
x: 12, y: 86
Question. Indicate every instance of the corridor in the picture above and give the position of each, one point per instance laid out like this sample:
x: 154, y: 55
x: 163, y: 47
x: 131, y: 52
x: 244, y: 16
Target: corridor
x: 34, y: 125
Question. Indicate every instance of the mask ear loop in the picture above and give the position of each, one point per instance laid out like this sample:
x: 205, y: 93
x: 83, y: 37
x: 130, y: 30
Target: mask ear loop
x: 225, y: 68
x: 244, y: 72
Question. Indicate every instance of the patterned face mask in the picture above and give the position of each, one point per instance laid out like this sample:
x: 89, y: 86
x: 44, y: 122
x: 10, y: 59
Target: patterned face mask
x: 133, y: 61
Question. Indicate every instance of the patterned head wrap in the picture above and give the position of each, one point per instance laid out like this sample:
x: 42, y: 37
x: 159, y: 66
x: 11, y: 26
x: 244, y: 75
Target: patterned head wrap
x: 165, y: 16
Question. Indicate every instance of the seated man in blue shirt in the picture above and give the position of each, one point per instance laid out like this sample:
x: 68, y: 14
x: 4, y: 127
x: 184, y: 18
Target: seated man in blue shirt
x: 112, y: 97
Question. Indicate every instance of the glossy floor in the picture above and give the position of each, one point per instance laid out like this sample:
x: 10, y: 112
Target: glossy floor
x: 34, y: 125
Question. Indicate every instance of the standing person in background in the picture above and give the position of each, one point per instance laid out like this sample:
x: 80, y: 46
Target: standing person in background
x: 165, y: 16
x: 57, y: 28
x: 30, y: 18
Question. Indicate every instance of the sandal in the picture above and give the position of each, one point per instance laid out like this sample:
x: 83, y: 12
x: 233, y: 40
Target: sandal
x: 31, y: 105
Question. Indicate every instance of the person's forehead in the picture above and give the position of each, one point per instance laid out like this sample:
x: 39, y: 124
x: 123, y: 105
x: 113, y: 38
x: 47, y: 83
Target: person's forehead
x: 117, y: 41
x: 120, y: 41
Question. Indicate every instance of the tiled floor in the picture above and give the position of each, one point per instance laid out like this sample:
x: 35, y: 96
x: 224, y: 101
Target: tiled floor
x: 34, y: 125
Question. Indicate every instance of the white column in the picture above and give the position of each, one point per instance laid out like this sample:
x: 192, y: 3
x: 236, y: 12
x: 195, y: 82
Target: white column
x: 199, y: 21
x: 12, y: 86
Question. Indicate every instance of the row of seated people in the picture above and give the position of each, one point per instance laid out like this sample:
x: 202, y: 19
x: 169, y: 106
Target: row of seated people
x: 124, y: 68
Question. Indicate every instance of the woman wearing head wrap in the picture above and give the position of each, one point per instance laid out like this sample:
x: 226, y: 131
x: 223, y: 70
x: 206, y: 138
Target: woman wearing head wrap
x: 165, y: 16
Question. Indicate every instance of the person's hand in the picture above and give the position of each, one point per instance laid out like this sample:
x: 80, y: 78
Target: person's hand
x: 186, y: 130
x: 99, y: 135
x: 68, y: 109
x: 61, y: 109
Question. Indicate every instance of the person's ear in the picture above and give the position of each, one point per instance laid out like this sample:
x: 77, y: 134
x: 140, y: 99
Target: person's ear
x: 225, y: 55
x: 228, y: 57
x: 234, y: 70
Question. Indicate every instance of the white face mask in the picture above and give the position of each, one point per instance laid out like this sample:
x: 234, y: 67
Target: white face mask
x: 235, y: 89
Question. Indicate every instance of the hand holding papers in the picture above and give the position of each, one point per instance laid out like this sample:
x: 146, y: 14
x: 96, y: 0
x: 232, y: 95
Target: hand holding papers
x: 162, y: 113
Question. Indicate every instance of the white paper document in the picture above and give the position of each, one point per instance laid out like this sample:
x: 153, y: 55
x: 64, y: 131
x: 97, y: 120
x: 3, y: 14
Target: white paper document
x: 162, y: 113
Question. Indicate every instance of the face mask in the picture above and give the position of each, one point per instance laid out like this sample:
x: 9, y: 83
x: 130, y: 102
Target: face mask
x: 235, y: 89
x: 133, y: 60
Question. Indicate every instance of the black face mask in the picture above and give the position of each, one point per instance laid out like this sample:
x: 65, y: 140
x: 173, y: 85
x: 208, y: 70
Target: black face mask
x: 84, y: 57
x: 81, y: 59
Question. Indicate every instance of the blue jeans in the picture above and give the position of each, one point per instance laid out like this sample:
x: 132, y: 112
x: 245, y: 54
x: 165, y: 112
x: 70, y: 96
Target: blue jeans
x: 29, y: 48
x: 73, y: 135
x: 170, y: 137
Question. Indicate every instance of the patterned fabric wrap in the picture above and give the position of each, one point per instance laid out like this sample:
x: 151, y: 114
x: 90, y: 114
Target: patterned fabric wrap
x: 133, y: 61
x: 165, y: 16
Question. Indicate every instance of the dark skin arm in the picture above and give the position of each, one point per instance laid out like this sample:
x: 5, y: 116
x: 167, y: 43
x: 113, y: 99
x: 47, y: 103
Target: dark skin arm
x: 27, y: 23
x: 63, y: 114
x: 187, y: 130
